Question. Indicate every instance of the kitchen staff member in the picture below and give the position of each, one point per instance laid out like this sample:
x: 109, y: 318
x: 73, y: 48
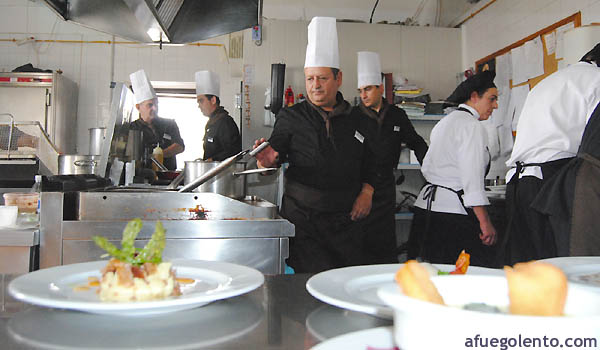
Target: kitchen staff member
x: 549, y: 134
x: 221, y: 135
x: 328, y: 187
x: 450, y: 213
x: 389, y: 127
x: 155, y: 130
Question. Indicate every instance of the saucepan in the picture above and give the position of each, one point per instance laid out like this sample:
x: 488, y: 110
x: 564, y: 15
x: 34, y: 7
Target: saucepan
x: 213, y: 177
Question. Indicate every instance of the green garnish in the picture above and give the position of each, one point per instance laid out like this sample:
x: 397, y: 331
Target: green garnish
x: 128, y: 253
x: 442, y: 273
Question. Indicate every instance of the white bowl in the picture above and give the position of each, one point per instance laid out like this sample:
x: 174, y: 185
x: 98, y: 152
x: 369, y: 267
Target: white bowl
x: 423, y: 325
x: 8, y: 215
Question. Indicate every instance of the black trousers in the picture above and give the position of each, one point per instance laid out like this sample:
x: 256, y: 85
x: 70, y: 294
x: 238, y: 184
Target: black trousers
x: 447, y: 235
x: 323, y: 240
x: 380, y: 246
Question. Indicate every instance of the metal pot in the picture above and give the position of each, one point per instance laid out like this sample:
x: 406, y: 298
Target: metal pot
x: 97, y: 139
x: 76, y: 164
x: 225, y: 183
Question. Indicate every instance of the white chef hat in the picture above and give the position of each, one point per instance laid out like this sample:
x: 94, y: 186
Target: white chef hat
x: 322, y: 48
x: 369, y: 69
x: 207, y: 83
x: 142, y: 89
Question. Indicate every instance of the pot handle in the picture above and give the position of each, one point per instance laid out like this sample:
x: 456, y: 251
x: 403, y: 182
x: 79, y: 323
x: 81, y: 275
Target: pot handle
x: 85, y: 163
x: 254, y: 171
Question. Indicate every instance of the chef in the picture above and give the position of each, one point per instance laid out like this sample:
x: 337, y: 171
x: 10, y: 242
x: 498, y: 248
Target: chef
x: 549, y: 135
x: 156, y: 131
x: 390, y: 127
x: 221, y: 135
x: 329, y: 181
x: 450, y: 213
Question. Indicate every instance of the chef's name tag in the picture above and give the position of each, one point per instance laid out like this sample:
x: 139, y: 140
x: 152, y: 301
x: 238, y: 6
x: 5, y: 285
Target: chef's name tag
x: 167, y: 137
x: 396, y: 128
x: 359, y: 137
x: 210, y: 139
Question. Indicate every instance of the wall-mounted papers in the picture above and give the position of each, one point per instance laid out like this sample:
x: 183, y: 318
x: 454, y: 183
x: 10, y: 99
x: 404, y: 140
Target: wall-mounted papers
x: 527, y: 61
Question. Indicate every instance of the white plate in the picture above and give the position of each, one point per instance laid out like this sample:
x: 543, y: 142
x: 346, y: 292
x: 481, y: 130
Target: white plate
x: 53, y: 287
x: 577, y: 268
x: 374, y: 338
x: 355, y: 288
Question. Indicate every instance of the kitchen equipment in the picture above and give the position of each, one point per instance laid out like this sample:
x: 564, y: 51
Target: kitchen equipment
x: 158, y: 164
x: 223, y: 182
x: 8, y: 215
x: 97, y: 139
x: 77, y: 164
x: 168, y: 174
x: 220, y: 167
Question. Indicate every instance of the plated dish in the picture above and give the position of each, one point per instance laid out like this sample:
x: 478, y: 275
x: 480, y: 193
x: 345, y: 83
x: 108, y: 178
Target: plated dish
x: 374, y: 338
x: 56, y: 287
x: 583, y: 270
x: 355, y: 288
x: 415, y: 319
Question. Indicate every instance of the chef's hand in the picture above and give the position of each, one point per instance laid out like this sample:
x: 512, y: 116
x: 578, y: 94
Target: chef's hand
x: 362, y: 203
x: 488, y: 233
x: 267, y: 158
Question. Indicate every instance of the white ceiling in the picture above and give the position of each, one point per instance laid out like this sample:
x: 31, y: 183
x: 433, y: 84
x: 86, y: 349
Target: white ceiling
x: 441, y: 13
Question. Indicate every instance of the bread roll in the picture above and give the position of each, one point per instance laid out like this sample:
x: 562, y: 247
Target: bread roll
x: 414, y: 281
x: 536, y: 289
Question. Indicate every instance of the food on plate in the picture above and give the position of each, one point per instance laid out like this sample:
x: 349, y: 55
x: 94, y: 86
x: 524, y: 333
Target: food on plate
x: 536, y: 289
x: 414, y: 281
x: 137, y: 274
x: 461, y: 265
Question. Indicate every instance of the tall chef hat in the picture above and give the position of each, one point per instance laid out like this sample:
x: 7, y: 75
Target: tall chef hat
x: 322, y: 48
x: 142, y: 89
x: 369, y: 69
x: 207, y: 83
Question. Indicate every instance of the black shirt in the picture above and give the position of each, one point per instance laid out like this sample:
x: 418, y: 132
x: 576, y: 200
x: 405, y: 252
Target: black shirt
x: 337, y: 159
x: 162, y: 132
x: 221, y: 136
x: 390, y: 128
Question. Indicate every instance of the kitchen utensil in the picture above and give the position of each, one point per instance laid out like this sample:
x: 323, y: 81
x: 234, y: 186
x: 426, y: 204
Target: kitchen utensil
x: 160, y: 166
x: 97, y: 139
x: 221, y: 167
x: 76, y: 164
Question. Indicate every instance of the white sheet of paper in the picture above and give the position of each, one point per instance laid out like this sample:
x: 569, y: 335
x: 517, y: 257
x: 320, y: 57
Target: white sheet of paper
x: 560, y: 32
x: 518, y: 95
x: 550, y: 40
x: 503, y: 71
x: 534, y: 55
x: 501, y: 115
x: 519, y: 65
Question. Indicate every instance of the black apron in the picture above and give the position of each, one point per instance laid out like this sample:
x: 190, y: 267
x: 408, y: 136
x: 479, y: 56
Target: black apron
x: 325, y: 238
x: 440, y: 237
x: 570, y: 201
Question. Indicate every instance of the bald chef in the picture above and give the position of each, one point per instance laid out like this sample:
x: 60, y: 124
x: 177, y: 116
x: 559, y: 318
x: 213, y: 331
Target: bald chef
x: 221, y: 135
x: 156, y: 131
x: 328, y: 188
x: 391, y: 128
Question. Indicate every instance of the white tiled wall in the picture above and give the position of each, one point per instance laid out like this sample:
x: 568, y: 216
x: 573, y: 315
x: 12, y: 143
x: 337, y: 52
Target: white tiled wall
x: 507, y: 21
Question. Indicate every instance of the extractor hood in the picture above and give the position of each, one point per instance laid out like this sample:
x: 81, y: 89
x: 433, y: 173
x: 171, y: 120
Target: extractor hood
x: 174, y: 21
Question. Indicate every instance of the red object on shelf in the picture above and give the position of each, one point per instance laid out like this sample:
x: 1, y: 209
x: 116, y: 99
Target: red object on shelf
x: 289, y: 96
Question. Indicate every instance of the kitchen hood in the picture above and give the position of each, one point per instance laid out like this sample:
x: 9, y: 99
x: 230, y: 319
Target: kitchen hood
x: 174, y: 21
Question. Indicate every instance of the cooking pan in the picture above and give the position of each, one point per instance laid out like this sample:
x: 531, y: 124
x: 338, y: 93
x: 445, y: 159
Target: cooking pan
x: 220, y: 167
x: 168, y: 174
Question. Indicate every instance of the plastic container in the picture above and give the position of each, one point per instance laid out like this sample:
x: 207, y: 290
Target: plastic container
x: 27, y: 202
x: 8, y: 215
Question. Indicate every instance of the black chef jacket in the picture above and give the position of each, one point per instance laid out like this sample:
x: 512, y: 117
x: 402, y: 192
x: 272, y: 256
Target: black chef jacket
x: 389, y: 128
x: 162, y: 132
x: 221, y: 136
x: 327, y: 167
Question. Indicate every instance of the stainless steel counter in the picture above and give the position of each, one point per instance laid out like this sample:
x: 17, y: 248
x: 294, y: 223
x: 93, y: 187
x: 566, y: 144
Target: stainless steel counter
x: 204, y: 226
x: 279, y: 315
x: 19, y: 249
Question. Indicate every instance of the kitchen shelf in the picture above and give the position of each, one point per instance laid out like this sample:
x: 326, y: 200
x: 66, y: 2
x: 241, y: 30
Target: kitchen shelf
x: 406, y: 166
x: 427, y: 118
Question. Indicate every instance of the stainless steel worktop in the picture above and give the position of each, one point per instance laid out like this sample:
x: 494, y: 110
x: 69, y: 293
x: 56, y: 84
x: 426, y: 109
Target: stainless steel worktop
x: 279, y: 315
